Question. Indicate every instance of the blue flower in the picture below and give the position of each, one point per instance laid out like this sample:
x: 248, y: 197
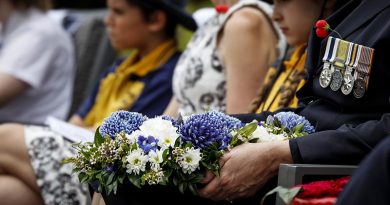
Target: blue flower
x: 121, y: 121
x: 175, y: 123
x: 147, y: 144
x: 203, y: 130
x: 291, y: 120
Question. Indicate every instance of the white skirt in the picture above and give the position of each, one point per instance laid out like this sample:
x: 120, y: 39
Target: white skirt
x: 58, y: 185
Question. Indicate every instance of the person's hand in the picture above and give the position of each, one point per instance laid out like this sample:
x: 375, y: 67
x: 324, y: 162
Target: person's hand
x: 224, y: 2
x: 246, y: 169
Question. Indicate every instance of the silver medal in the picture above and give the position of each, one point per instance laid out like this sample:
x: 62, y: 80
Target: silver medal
x: 359, y: 88
x: 326, y: 76
x: 349, y: 81
x: 337, y: 80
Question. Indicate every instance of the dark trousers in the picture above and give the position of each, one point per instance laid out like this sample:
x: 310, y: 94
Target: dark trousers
x: 370, y: 184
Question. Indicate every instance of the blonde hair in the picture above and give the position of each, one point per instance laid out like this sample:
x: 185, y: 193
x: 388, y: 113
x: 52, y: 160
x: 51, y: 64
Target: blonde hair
x: 43, y: 5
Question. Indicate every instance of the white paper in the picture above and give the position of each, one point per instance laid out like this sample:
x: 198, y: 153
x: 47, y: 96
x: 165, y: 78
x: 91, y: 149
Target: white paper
x: 69, y: 131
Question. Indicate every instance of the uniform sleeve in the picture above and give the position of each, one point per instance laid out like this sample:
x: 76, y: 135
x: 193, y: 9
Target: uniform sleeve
x: 28, y: 57
x: 346, y: 145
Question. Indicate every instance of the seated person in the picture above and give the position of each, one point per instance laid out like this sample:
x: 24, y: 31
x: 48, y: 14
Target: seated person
x: 31, y: 156
x: 36, y: 64
x: 229, y: 49
x: 346, y: 125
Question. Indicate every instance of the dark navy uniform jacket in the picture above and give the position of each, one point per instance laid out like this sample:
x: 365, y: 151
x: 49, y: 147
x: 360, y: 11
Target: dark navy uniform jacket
x: 347, y: 128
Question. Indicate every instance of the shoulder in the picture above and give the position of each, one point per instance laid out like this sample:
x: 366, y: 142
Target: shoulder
x: 247, y: 18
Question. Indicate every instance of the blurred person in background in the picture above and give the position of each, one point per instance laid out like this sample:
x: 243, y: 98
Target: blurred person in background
x: 226, y: 59
x: 31, y: 156
x: 36, y: 63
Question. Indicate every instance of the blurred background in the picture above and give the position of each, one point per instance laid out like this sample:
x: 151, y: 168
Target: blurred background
x: 83, y: 19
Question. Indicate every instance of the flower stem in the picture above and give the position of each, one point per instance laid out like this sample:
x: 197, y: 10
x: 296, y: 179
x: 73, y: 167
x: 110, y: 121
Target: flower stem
x: 335, y: 32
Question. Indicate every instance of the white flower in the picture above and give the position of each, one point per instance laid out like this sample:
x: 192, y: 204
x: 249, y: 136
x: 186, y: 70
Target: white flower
x: 266, y: 136
x: 189, y: 160
x: 156, y: 158
x: 161, y: 129
x: 133, y: 137
x: 136, y: 162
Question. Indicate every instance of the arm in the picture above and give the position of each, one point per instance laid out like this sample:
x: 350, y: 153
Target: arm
x: 172, y: 108
x: 247, y: 46
x: 10, y: 88
x: 346, y: 145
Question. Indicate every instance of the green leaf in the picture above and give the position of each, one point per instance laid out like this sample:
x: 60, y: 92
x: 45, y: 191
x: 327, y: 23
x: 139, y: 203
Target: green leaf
x: 285, y: 194
x: 121, y: 178
x: 182, y: 187
x: 177, y: 142
x: 175, y: 181
x: 135, y: 180
x: 99, y: 139
x: 110, y: 178
x: 193, y: 189
x: 165, y: 154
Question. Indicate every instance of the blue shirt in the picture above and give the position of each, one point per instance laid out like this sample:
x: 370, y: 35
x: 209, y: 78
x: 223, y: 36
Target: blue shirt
x: 155, y: 96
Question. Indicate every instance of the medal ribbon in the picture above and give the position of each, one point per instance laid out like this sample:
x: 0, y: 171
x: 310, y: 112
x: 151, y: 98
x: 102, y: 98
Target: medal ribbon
x: 364, y: 66
x: 330, y: 50
x: 342, y: 53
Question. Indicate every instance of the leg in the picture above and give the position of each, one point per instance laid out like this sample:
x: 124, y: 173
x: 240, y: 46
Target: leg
x: 14, y: 158
x: 98, y: 199
x: 10, y: 185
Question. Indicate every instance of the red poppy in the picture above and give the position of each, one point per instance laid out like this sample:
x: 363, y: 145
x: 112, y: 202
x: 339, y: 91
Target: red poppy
x: 221, y: 8
x: 322, y: 28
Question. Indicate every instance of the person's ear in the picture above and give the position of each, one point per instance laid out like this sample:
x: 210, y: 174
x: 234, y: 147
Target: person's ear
x: 329, y: 7
x: 157, y: 21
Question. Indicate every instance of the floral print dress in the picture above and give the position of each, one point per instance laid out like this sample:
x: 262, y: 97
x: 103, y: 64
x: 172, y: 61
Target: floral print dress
x: 58, y: 185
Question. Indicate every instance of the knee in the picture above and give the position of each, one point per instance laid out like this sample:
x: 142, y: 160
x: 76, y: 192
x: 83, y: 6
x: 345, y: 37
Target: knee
x: 10, y: 134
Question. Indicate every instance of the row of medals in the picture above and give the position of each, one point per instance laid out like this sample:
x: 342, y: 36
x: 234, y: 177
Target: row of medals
x: 340, y: 76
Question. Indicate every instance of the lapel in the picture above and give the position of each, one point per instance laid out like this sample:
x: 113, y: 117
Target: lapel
x: 348, y: 19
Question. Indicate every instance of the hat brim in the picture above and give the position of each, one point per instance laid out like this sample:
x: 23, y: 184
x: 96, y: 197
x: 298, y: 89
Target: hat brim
x: 182, y: 17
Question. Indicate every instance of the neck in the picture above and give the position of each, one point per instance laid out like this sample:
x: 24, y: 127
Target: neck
x: 6, y: 9
x: 151, y: 44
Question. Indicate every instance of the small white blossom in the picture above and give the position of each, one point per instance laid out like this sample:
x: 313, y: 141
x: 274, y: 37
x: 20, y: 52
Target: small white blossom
x: 189, y: 160
x: 136, y: 162
x: 156, y: 158
x: 134, y: 136
x: 265, y: 135
x: 161, y: 129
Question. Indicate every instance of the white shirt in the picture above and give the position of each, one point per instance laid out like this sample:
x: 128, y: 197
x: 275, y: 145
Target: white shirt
x: 38, y: 52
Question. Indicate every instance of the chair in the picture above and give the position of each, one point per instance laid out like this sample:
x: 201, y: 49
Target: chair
x: 93, y: 54
x: 294, y: 174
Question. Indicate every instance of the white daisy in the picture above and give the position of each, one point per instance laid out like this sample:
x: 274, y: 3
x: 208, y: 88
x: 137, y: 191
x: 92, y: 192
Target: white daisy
x: 189, y: 160
x: 136, y: 162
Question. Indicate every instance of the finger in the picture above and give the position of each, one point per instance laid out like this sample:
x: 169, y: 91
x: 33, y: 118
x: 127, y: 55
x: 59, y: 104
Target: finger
x: 224, y: 159
x: 211, y: 189
x: 208, y: 177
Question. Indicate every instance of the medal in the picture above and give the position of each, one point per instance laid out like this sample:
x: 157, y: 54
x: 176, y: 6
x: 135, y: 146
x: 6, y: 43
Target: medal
x: 351, y: 63
x: 359, y: 89
x: 339, y: 65
x: 326, y: 73
x: 363, y: 70
x: 337, y: 80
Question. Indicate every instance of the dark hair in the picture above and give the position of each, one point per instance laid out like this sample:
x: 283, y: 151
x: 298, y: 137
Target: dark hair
x: 147, y: 10
x: 43, y: 5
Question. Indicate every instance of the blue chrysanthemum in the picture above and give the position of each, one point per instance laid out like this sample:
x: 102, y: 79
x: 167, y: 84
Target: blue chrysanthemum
x: 205, y: 129
x: 291, y: 120
x: 147, y: 143
x: 175, y: 123
x: 121, y: 121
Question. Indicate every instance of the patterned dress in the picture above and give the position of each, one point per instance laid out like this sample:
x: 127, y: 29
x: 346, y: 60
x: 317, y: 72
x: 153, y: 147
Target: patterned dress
x: 58, y: 185
x: 199, y: 79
